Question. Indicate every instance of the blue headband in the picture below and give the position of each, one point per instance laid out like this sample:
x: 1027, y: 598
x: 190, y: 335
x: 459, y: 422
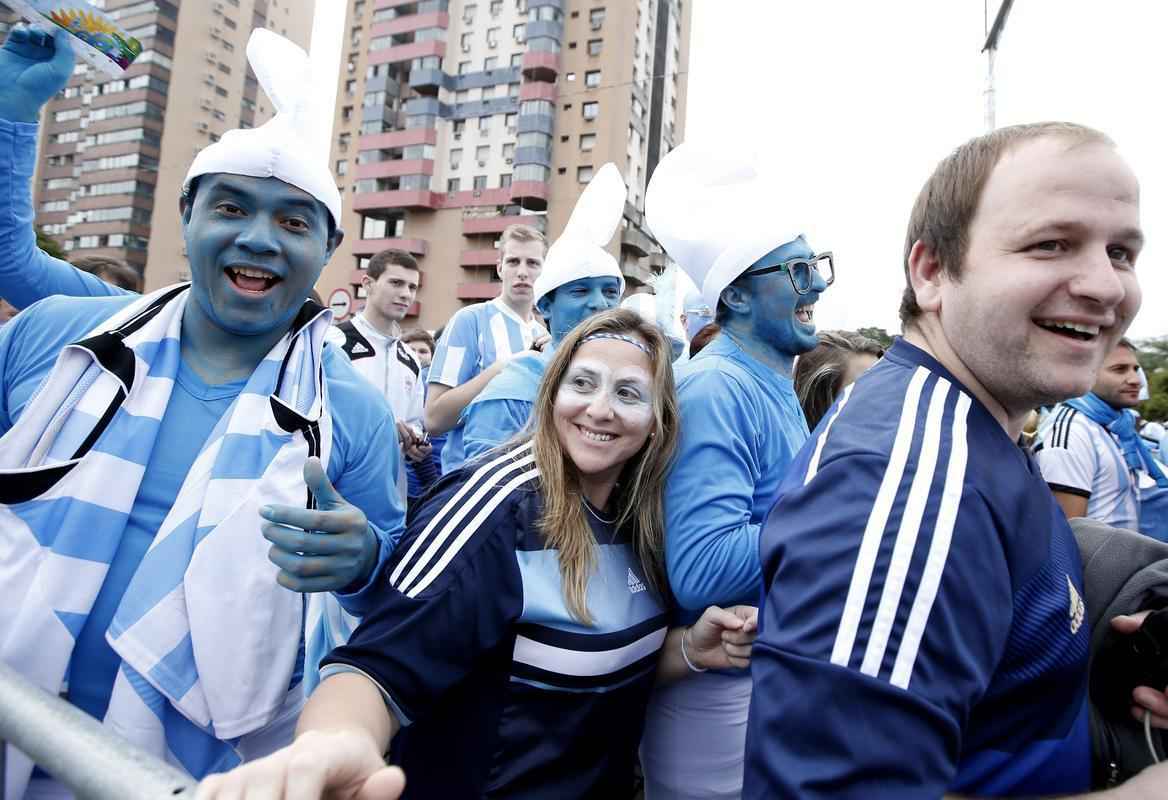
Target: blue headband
x: 620, y: 337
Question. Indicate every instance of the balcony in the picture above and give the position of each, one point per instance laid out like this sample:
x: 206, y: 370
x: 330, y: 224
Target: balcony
x: 408, y: 52
x: 634, y: 241
x: 530, y: 194
x: 537, y: 90
x: 478, y: 226
x: 476, y: 197
x: 368, y: 247
x: 540, y: 66
x: 399, y: 198
x: 479, y: 258
x: 479, y: 290
x: 409, y: 23
x: 397, y: 139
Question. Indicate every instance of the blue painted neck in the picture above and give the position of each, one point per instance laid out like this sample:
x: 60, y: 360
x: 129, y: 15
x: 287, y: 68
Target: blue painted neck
x: 768, y: 354
x: 218, y: 356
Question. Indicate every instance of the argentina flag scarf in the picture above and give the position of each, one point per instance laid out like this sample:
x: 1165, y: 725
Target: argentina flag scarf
x: 209, y: 641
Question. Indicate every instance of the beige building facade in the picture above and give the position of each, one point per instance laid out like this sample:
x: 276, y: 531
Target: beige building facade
x: 113, y: 152
x: 456, y: 118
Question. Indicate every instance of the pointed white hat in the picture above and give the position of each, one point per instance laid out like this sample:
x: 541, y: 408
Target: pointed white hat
x: 579, y: 252
x: 288, y: 146
x: 716, y: 214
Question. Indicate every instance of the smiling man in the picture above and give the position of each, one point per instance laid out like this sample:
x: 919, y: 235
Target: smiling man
x: 170, y: 460
x: 480, y: 339
x: 1089, y: 450
x: 579, y: 278
x: 742, y: 425
x: 924, y: 629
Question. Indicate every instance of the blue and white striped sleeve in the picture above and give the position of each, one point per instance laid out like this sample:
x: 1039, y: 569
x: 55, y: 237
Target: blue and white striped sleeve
x: 887, y: 606
x: 456, y: 358
x: 1067, y: 455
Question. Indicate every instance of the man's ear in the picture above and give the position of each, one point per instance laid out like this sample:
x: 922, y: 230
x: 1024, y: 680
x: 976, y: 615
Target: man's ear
x: 333, y: 243
x: 544, y: 306
x: 925, y: 276
x: 499, y: 268
x: 736, y: 299
x: 184, y: 208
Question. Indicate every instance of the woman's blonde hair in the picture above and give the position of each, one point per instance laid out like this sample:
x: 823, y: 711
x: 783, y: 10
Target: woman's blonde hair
x: 640, y: 491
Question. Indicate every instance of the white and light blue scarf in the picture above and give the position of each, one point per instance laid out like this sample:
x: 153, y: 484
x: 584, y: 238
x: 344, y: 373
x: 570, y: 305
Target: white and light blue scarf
x: 1121, y: 423
x: 209, y: 641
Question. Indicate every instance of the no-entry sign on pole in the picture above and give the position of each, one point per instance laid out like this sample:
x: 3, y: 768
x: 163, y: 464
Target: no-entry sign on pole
x: 341, y: 302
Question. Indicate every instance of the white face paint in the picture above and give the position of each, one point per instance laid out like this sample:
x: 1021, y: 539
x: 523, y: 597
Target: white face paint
x: 604, y: 411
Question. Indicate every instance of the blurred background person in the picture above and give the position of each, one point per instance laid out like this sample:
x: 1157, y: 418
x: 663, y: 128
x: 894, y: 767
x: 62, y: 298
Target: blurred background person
x: 838, y: 359
x: 110, y: 270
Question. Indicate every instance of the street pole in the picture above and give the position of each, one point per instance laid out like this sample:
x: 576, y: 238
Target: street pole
x: 991, y: 49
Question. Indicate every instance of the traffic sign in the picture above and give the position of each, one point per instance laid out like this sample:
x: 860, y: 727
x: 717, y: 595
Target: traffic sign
x: 341, y: 302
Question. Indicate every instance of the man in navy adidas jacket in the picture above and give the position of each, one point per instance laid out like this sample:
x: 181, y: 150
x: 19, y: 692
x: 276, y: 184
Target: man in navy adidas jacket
x: 923, y: 629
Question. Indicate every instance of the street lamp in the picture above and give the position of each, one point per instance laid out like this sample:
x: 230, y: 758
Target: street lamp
x: 990, y: 49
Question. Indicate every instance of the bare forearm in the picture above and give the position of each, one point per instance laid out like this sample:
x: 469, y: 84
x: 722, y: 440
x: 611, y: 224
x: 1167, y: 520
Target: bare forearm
x: 349, y: 701
x: 445, y: 404
x: 671, y: 666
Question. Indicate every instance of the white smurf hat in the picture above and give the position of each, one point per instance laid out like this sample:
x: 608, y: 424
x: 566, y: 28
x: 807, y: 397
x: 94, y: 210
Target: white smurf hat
x: 286, y: 146
x: 579, y: 252
x: 716, y: 214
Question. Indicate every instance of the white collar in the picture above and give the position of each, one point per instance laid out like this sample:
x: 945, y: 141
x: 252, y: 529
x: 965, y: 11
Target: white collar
x: 368, y: 327
x: 501, y: 304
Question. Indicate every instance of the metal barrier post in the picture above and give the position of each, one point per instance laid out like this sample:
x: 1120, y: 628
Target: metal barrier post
x: 75, y: 749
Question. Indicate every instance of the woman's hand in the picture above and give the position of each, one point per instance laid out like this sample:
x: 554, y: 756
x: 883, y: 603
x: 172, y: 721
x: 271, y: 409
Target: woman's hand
x: 722, y: 637
x: 338, y: 764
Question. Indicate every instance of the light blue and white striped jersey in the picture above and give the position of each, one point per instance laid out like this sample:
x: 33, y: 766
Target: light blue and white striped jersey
x: 475, y: 338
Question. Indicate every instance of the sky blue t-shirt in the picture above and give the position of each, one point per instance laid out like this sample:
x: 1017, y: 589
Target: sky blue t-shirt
x: 362, y: 465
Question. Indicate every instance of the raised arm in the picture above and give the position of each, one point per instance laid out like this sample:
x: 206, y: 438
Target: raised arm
x: 34, y: 66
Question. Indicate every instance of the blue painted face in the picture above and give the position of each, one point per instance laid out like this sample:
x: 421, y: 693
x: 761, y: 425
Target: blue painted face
x: 780, y: 317
x: 570, y: 304
x: 256, y: 246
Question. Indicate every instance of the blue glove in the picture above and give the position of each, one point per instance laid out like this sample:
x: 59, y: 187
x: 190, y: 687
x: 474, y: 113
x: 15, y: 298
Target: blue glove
x: 322, y: 550
x: 34, y: 66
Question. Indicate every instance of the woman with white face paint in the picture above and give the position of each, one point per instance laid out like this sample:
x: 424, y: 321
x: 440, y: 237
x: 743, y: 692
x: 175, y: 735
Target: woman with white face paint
x: 525, y: 620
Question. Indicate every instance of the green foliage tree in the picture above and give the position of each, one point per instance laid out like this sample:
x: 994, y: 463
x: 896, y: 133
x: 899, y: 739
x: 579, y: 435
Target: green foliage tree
x: 49, y: 245
x: 878, y: 335
x: 1154, y: 360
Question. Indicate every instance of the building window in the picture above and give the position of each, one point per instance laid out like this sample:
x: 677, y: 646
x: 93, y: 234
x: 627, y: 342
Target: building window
x: 346, y: 113
x: 509, y: 152
x: 510, y: 121
x: 482, y: 153
x: 587, y: 141
x: 465, y: 42
x: 519, y: 33
x: 343, y: 166
x: 468, y: 13
x: 490, y: 63
x: 480, y: 182
x: 513, y: 90
x: 591, y: 110
x: 463, y: 67
x: 504, y: 181
x: 453, y: 184
x: 592, y: 78
x: 517, y: 59
x: 596, y: 18
x: 496, y: 7
x: 461, y: 96
x: 484, y: 126
x: 595, y: 46
x: 455, y: 158
x: 351, y: 87
x: 492, y: 38
x: 459, y: 127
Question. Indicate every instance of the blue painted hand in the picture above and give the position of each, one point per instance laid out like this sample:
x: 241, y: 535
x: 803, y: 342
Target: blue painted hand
x: 34, y: 66
x: 321, y: 550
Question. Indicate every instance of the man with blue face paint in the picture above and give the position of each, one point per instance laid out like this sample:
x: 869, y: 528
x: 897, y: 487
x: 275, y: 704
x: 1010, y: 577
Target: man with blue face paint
x: 695, y: 315
x: 579, y: 278
x: 742, y: 426
x: 170, y: 460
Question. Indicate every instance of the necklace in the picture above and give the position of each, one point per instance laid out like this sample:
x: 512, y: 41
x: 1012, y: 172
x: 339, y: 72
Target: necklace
x: 590, y: 510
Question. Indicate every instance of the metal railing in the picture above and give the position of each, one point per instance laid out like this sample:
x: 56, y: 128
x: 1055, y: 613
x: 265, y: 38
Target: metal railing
x: 75, y: 749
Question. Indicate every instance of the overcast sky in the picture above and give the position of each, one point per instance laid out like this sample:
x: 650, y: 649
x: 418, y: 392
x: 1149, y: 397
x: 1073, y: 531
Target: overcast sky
x: 857, y: 101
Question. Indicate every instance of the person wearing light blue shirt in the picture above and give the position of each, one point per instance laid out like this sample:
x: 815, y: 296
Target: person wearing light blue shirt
x: 742, y: 426
x: 579, y: 279
x: 480, y: 339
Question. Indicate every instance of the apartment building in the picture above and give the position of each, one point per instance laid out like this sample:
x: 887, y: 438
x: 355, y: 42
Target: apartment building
x: 456, y: 118
x: 113, y: 152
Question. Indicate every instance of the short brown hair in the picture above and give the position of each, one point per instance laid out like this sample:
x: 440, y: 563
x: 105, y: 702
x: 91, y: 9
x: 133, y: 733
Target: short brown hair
x: 379, y: 262
x: 703, y: 337
x: 521, y: 233
x: 947, y: 203
x: 419, y: 335
x: 110, y: 270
